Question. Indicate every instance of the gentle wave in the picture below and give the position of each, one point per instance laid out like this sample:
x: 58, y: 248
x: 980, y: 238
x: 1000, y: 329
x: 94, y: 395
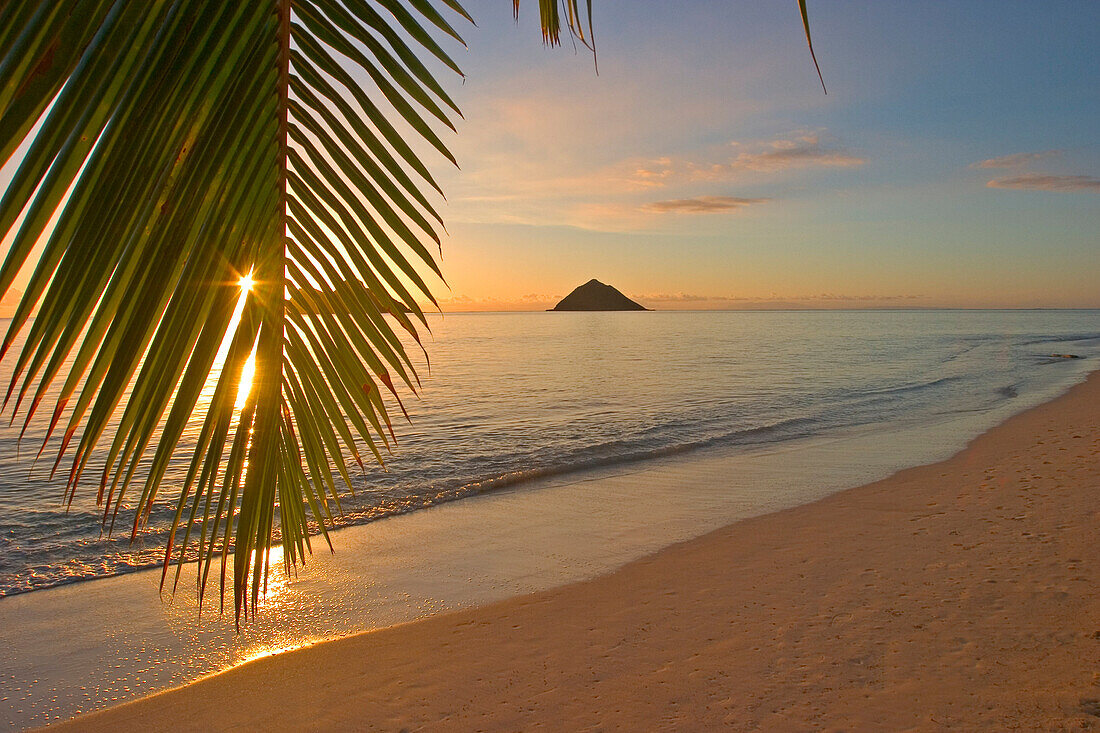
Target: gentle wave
x: 611, y: 455
x: 523, y: 397
x: 915, y: 387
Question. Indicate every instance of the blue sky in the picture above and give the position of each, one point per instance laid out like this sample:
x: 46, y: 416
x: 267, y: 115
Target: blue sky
x: 703, y: 167
x: 953, y: 163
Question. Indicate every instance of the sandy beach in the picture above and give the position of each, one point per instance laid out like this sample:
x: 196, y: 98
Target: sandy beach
x: 403, y: 366
x: 955, y: 595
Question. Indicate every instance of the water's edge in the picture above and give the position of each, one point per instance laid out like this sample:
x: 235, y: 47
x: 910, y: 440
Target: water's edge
x: 89, y: 645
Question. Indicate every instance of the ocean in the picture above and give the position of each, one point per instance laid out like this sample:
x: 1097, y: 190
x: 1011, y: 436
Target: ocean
x: 515, y: 397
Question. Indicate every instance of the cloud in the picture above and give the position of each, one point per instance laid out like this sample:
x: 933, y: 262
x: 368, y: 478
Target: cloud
x: 802, y: 152
x: 820, y: 297
x: 1016, y: 160
x: 1036, y: 181
x: 539, y: 186
x: 701, y: 205
x: 799, y: 151
x: 1047, y: 182
x: 539, y: 298
x: 685, y: 301
x: 528, y: 302
x: 834, y: 296
x: 673, y: 298
x: 656, y: 174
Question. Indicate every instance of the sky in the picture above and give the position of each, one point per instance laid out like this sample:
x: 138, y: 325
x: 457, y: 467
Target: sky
x: 953, y: 163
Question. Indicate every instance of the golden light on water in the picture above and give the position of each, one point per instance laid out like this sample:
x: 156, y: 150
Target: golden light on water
x: 245, y: 283
x: 249, y: 370
x: 276, y: 581
x: 272, y: 650
x: 245, y: 386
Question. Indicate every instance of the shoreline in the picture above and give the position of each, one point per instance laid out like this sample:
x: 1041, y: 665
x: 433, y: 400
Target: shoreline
x: 729, y: 381
x: 956, y: 593
x: 132, y: 642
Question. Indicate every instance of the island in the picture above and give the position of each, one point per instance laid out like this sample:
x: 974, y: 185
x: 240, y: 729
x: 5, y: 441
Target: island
x: 595, y: 296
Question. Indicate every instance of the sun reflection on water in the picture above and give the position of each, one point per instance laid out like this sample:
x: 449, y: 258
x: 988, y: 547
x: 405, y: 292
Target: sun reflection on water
x: 248, y: 371
x: 277, y: 579
x: 279, y: 597
x: 270, y: 651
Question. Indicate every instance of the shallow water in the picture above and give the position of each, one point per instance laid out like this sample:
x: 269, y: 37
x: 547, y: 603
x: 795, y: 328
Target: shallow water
x: 513, y: 397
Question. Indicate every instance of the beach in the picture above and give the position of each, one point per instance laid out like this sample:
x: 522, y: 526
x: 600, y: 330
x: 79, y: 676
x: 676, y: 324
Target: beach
x: 367, y: 370
x: 959, y: 594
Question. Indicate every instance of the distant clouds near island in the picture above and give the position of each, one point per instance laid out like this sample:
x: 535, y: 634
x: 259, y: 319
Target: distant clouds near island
x: 688, y: 301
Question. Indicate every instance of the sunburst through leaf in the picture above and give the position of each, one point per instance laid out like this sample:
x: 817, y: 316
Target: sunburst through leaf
x: 170, y: 145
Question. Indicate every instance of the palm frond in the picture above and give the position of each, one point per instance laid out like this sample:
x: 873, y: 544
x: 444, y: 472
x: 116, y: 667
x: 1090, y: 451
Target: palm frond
x: 577, y: 24
x: 172, y: 149
x: 810, y: 42
x: 169, y: 150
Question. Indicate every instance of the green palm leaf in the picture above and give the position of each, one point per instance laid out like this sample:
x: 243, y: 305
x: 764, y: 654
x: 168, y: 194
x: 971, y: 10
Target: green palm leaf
x: 168, y: 149
x: 173, y: 148
x: 578, y: 25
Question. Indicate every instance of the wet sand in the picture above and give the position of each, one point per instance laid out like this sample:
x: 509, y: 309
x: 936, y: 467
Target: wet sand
x: 956, y: 595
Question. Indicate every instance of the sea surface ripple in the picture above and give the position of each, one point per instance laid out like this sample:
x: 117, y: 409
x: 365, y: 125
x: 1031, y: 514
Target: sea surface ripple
x: 512, y: 397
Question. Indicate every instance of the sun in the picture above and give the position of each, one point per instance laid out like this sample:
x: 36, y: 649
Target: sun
x: 246, y: 282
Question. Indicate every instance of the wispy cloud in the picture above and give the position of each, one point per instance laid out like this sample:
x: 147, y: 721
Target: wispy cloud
x: 803, y: 151
x: 528, y: 302
x: 523, y: 183
x: 1037, y: 181
x: 1048, y: 182
x: 735, y: 159
x: 1016, y: 160
x: 820, y: 297
x: 673, y: 298
x: 859, y: 298
x: 681, y: 301
x: 701, y: 205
